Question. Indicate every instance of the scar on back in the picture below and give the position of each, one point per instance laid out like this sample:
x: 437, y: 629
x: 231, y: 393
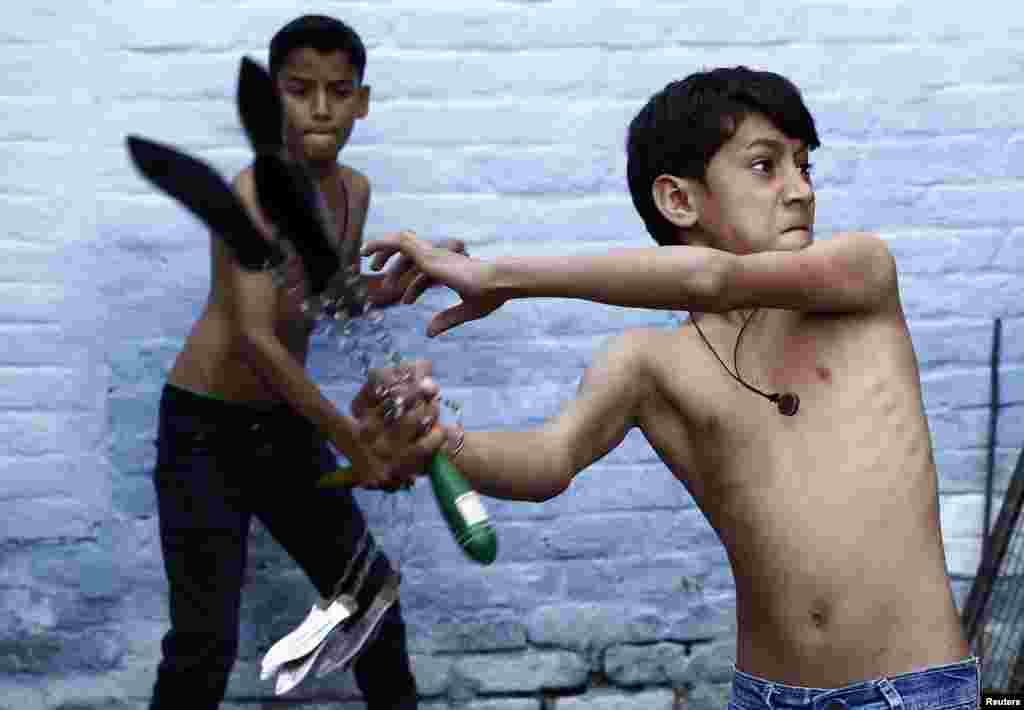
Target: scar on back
x: 824, y: 373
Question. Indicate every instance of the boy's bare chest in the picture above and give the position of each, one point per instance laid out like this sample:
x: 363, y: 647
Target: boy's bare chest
x: 345, y: 218
x: 839, y: 370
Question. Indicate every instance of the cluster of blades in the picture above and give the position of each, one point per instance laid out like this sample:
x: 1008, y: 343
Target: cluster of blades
x: 285, y: 190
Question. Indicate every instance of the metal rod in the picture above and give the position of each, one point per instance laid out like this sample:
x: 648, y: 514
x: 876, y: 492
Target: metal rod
x: 981, y: 590
x: 993, y: 418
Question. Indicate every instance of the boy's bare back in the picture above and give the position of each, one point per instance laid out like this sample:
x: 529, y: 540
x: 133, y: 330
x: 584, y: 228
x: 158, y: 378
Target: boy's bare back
x: 829, y: 517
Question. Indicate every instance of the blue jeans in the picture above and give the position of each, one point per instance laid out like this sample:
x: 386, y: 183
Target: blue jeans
x: 952, y: 687
x: 219, y: 464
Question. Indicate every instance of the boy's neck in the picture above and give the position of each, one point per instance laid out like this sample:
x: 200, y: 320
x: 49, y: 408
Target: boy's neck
x: 780, y: 318
x: 323, y: 172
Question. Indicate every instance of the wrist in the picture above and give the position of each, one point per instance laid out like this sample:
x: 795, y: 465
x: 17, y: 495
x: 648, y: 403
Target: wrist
x: 455, y: 441
x: 504, y: 279
x: 345, y: 436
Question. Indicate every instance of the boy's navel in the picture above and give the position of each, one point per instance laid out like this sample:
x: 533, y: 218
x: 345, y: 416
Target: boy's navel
x: 819, y: 614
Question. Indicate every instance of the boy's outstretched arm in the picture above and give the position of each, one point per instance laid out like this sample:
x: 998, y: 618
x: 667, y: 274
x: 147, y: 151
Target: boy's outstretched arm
x: 850, y: 272
x: 540, y: 464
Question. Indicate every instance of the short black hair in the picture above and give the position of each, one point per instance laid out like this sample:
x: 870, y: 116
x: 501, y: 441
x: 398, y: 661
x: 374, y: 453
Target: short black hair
x: 681, y: 128
x: 322, y: 33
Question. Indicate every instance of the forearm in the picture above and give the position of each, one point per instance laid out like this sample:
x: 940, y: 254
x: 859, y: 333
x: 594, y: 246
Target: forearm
x: 284, y: 373
x: 670, y: 278
x: 526, y: 465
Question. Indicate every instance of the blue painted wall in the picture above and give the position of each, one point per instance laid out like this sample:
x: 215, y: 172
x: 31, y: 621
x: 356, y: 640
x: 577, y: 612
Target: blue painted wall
x: 502, y: 123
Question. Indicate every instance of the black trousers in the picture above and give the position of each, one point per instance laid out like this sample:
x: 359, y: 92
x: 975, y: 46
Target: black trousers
x: 218, y: 464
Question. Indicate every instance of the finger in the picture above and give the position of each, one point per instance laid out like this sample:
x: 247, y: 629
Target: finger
x: 388, y: 244
x: 382, y: 379
x: 394, y: 404
x: 404, y: 477
x: 365, y: 400
x: 401, y: 269
x: 391, y: 486
x: 381, y: 258
x: 431, y: 442
x: 416, y: 289
x: 344, y: 477
x: 416, y: 422
x: 456, y: 245
x: 401, y: 417
x: 381, y: 250
x: 449, y: 318
x: 388, y: 241
x: 421, y: 367
x: 376, y: 427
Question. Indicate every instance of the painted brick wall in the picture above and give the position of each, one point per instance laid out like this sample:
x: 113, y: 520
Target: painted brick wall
x: 502, y: 123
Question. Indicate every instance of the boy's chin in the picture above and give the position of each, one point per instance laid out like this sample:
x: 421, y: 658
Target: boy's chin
x: 796, y: 239
x: 320, y: 149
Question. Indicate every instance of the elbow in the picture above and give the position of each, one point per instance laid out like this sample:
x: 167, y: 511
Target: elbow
x: 553, y: 491
x: 873, y: 272
x: 883, y: 271
x: 550, y: 466
x: 565, y: 471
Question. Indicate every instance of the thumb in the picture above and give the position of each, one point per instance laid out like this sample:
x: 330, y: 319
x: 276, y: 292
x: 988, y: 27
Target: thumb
x: 449, y: 318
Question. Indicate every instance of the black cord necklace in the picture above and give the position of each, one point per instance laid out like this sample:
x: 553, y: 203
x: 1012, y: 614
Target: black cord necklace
x: 788, y: 403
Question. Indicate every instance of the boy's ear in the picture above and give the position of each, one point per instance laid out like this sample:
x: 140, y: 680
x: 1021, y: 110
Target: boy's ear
x: 677, y: 199
x: 364, y: 101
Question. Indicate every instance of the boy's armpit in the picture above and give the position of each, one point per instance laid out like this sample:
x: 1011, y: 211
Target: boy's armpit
x: 848, y: 273
x: 608, y: 400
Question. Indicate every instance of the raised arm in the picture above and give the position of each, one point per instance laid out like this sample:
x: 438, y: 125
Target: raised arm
x: 540, y: 464
x: 845, y: 273
x: 850, y: 272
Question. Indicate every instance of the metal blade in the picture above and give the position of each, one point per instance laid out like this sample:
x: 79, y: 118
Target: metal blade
x: 260, y: 108
x: 194, y: 184
x: 293, y: 203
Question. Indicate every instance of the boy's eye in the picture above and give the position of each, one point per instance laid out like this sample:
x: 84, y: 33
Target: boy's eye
x: 807, y: 169
x: 762, y: 166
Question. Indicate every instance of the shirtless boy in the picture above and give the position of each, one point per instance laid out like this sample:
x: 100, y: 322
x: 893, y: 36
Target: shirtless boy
x: 243, y: 431
x: 830, y: 515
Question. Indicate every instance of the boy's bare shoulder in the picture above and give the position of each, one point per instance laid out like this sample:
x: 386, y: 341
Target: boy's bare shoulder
x: 244, y: 185
x: 244, y: 180
x: 632, y: 353
x: 356, y: 181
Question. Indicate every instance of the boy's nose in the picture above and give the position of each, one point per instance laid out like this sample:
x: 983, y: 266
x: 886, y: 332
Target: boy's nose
x: 798, y: 189
x: 321, y: 107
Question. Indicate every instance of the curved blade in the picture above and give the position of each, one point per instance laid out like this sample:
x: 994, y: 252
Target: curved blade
x: 260, y: 108
x: 194, y: 184
x: 293, y: 203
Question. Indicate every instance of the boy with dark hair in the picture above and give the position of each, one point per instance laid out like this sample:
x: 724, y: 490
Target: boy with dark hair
x: 828, y: 507
x: 243, y: 431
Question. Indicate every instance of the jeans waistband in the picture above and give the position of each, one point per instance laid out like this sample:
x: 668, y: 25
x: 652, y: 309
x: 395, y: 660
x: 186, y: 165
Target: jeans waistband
x: 182, y: 409
x: 954, y: 681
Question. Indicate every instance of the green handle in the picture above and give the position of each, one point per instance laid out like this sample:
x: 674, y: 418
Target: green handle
x: 462, y: 509
x: 460, y: 506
